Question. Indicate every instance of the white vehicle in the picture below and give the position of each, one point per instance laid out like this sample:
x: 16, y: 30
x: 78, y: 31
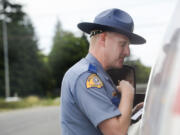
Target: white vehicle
x: 161, y: 114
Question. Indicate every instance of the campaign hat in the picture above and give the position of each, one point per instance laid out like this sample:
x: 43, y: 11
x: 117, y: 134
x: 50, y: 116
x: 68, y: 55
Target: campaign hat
x: 114, y: 20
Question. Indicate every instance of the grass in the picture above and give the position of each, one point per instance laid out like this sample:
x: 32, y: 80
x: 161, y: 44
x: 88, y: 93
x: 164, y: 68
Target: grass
x: 31, y: 101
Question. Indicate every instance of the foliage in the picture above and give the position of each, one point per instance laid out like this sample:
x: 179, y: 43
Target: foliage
x: 31, y: 101
x: 67, y: 50
x: 25, y: 62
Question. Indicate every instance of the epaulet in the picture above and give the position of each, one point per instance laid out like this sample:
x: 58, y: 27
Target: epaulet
x: 92, y: 68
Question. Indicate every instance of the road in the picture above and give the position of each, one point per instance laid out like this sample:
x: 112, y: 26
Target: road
x: 34, y: 121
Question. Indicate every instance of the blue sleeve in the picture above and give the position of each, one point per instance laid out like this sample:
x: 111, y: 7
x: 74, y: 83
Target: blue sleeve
x: 94, y: 102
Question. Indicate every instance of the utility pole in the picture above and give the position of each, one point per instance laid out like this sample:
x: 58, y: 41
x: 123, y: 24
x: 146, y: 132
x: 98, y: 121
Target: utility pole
x: 5, y: 45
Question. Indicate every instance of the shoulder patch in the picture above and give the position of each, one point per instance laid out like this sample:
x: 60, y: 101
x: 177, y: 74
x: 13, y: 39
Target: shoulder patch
x: 94, y: 81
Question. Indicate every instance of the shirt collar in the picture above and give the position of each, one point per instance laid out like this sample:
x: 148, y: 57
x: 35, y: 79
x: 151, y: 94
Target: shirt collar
x: 96, y: 63
x: 93, y: 61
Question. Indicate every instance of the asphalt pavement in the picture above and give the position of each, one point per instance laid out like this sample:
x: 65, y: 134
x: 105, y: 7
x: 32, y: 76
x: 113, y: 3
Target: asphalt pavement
x: 34, y: 121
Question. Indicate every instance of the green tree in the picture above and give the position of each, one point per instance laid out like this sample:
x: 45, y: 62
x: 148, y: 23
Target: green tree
x: 25, y: 62
x: 66, y: 51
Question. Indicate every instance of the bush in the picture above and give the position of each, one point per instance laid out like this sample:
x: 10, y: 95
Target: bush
x: 31, y: 101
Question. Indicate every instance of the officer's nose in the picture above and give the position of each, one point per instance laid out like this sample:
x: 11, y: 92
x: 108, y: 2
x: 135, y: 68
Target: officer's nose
x: 127, y: 51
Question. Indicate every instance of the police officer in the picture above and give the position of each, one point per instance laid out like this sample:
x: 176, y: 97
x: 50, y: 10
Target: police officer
x: 89, y: 104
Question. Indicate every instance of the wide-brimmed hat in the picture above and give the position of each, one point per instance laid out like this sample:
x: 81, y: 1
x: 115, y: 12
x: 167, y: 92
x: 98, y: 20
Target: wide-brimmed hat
x: 114, y: 20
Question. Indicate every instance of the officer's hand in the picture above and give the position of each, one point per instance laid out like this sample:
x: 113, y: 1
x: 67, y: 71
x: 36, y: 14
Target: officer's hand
x: 137, y: 107
x: 125, y: 88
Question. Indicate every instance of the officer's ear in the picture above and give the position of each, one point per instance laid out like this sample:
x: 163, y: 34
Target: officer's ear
x: 102, y: 38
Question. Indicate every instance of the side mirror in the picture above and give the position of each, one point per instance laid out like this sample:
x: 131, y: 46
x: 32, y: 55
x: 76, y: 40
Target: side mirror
x: 125, y: 73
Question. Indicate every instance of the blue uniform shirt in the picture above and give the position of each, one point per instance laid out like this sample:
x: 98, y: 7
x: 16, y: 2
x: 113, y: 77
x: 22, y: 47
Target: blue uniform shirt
x: 87, y: 98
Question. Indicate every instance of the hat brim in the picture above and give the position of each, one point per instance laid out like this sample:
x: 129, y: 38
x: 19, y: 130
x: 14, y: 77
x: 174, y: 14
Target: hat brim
x: 88, y: 27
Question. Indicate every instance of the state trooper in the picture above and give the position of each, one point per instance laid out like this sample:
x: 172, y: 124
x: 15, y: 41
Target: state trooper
x: 88, y: 105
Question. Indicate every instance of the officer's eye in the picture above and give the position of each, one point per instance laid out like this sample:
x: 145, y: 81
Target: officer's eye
x: 123, y: 43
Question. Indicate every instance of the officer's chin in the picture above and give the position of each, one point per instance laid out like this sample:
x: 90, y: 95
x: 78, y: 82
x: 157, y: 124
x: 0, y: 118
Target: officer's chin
x: 119, y: 65
x: 116, y: 65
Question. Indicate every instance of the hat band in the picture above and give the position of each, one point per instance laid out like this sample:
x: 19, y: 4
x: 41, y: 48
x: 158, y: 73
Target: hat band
x: 95, y: 32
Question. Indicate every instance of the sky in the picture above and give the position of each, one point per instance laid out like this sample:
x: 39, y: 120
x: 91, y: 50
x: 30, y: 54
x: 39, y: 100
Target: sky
x: 151, y: 19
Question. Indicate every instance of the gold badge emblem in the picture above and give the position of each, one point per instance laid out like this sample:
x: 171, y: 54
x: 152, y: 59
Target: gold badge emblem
x: 94, y: 81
